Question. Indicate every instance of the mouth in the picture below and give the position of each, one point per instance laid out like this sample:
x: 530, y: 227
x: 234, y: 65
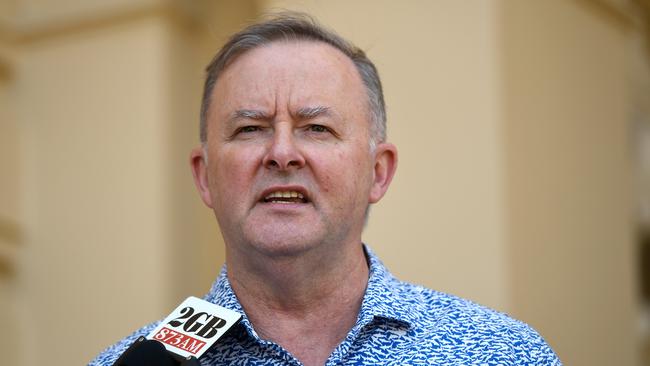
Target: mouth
x: 284, y: 196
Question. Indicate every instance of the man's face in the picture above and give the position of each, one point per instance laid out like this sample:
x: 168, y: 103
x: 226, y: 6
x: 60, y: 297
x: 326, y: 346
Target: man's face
x: 289, y: 164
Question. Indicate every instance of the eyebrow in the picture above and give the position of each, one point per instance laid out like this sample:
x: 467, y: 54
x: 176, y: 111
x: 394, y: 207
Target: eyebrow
x: 313, y: 112
x: 301, y: 113
x: 248, y: 114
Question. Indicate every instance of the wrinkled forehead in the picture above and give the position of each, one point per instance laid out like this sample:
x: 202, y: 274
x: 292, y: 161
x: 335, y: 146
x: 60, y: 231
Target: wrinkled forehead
x: 294, y: 51
x: 290, y: 71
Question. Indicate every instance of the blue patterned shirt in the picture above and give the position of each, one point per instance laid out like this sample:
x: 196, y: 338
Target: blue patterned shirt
x: 398, y: 324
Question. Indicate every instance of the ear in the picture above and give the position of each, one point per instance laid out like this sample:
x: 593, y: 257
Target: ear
x: 384, y: 170
x: 199, y: 167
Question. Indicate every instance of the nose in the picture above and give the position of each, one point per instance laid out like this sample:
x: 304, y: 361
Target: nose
x: 283, y: 153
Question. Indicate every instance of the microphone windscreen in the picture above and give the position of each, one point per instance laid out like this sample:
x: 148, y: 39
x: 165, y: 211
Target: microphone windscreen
x: 146, y: 353
x: 193, y: 361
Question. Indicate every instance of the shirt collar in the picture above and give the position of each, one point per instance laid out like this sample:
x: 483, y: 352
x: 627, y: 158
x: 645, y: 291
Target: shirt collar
x: 222, y: 294
x: 382, y: 298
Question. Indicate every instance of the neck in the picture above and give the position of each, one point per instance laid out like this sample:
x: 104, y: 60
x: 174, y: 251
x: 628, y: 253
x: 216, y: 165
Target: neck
x: 307, y: 303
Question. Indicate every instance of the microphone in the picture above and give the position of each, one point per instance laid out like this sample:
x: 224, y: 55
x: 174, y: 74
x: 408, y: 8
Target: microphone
x: 144, y: 352
x: 185, y: 334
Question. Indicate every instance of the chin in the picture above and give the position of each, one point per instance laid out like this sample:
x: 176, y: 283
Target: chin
x: 283, y: 245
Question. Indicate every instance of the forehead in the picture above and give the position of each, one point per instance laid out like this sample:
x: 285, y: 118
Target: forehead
x: 291, y: 72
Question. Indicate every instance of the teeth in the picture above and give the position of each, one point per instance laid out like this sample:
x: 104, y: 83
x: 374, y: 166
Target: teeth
x: 284, y: 194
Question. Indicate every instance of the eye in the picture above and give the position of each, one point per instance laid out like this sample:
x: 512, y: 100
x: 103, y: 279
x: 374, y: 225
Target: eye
x: 248, y: 129
x: 246, y: 132
x: 318, y: 128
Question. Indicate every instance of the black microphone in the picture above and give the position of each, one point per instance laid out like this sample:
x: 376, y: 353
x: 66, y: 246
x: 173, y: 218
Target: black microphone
x: 185, y: 334
x: 147, y: 352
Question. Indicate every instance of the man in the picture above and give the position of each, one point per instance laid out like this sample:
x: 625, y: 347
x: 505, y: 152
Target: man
x: 293, y: 153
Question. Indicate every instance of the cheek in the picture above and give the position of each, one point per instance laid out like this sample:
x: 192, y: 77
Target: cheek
x: 233, y: 172
x: 332, y: 166
x: 334, y: 177
x: 346, y: 176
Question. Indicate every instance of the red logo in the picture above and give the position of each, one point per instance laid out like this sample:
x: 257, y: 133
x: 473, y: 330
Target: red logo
x: 179, y: 340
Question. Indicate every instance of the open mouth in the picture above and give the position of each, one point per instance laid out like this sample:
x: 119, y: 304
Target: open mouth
x: 285, y: 197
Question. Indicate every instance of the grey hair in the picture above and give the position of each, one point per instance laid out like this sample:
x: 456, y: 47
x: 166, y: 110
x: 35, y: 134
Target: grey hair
x: 294, y: 26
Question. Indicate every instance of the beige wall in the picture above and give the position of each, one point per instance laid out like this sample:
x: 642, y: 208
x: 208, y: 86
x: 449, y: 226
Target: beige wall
x: 9, y: 145
x: 568, y: 179
x: 512, y: 190
x: 10, y: 211
x: 105, y: 188
x: 95, y: 182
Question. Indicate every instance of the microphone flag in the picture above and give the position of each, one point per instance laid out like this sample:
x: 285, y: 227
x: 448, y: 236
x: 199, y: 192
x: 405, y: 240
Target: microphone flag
x: 193, y: 327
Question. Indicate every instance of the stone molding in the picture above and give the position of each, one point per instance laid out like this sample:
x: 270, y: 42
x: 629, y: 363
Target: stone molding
x: 31, y: 28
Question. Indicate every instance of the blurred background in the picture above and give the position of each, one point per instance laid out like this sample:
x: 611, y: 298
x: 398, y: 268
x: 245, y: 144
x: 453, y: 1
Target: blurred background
x: 523, y: 128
